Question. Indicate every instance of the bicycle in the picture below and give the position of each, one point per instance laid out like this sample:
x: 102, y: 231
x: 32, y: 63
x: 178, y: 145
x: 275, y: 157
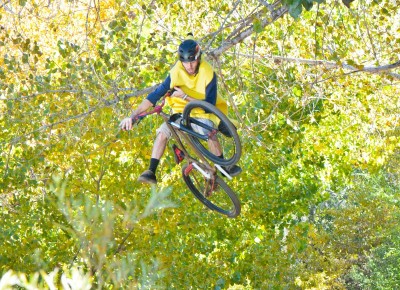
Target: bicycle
x: 202, y: 168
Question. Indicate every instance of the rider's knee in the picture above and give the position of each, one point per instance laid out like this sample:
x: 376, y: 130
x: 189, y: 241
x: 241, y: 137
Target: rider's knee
x: 162, y: 137
x: 164, y: 132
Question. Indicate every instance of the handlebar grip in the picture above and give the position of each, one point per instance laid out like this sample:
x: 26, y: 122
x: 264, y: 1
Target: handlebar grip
x: 138, y: 118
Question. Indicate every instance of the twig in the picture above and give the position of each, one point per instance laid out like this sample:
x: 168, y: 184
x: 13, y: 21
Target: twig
x: 223, y: 24
x: 247, y: 32
x: 8, y: 161
x: 5, y: 3
x: 329, y: 64
x: 121, y: 245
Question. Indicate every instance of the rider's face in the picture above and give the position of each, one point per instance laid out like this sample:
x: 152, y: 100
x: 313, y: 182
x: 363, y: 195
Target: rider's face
x: 190, y: 67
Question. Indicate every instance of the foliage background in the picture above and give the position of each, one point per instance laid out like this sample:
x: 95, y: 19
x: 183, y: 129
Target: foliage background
x: 315, y: 86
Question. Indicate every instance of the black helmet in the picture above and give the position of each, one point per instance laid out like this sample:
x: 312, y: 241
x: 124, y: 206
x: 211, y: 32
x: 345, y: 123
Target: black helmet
x: 189, y: 51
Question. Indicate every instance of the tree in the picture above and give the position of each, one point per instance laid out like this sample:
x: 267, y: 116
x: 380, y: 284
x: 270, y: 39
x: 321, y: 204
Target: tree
x: 314, y: 86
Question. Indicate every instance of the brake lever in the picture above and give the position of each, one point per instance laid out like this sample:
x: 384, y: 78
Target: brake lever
x: 138, y: 119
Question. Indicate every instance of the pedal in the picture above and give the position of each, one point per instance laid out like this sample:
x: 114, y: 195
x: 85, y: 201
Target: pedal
x: 178, y: 154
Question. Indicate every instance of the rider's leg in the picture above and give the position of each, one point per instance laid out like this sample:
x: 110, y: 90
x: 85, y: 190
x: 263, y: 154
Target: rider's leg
x: 159, y: 146
x: 214, y: 146
x: 158, y: 151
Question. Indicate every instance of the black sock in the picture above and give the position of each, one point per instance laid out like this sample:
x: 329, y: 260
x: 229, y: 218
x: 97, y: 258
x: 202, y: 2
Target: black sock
x: 153, y: 164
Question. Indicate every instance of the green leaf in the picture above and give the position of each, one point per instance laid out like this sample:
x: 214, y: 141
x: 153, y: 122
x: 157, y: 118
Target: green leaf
x: 297, y: 91
x: 25, y: 44
x: 113, y: 24
x: 295, y: 9
x: 25, y: 58
x: 9, y: 105
x: 347, y: 3
x: 307, y: 4
x: 257, y: 26
x: 17, y: 40
x: 353, y: 63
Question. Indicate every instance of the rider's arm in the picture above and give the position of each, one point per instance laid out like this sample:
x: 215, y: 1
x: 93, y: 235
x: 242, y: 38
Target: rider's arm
x: 161, y: 90
x: 211, y: 91
x: 150, y: 101
x: 144, y: 106
x: 126, y: 124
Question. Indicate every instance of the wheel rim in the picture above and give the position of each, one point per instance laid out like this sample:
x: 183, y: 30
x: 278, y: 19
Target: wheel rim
x: 229, y: 145
x: 219, y: 200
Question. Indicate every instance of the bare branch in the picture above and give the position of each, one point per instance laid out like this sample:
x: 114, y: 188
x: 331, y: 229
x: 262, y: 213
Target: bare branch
x: 56, y: 91
x: 383, y: 68
x: 272, y: 6
x: 48, y: 126
x: 329, y: 64
x: 223, y: 24
x: 137, y: 93
x: 5, y: 3
x: 240, y: 36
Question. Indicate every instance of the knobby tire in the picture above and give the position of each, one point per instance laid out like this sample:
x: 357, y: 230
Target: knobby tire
x: 222, y: 200
x: 228, y: 138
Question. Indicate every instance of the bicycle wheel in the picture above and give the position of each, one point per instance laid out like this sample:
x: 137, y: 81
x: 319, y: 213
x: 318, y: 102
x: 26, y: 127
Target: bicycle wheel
x: 220, y: 134
x: 216, y: 195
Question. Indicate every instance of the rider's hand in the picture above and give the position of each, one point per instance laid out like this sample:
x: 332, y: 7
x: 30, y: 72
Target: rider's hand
x: 126, y: 124
x: 178, y: 93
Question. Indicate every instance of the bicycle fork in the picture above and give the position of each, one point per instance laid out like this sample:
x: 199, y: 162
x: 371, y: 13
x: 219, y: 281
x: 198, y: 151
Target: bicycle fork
x: 179, y: 156
x: 192, y: 165
x: 210, y: 184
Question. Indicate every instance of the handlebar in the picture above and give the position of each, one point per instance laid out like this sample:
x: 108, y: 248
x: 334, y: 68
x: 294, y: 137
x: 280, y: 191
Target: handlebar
x: 157, y: 109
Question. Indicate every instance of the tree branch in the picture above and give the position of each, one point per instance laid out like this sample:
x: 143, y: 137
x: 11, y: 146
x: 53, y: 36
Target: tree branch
x: 48, y: 126
x: 241, y: 35
x: 138, y: 93
x: 329, y: 64
x: 5, y: 3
